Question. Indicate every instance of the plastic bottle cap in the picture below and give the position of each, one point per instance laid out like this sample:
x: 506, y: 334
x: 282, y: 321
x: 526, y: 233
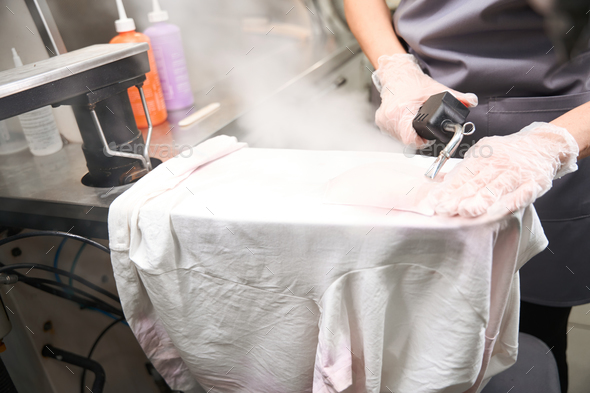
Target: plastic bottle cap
x: 158, y: 14
x: 124, y: 23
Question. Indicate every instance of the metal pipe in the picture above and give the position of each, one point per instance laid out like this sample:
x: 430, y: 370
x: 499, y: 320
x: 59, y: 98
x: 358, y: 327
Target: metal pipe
x: 46, y: 26
x: 146, y: 147
x: 450, y: 148
x: 108, y: 150
x: 453, y: 144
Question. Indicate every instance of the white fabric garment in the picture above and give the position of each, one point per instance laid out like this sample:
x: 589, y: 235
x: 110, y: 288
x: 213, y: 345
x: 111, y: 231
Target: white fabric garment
x: 385, y: 185
x: 235, y: 276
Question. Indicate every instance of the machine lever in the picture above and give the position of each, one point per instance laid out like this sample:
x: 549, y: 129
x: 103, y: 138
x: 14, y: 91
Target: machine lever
x: 144, y: 157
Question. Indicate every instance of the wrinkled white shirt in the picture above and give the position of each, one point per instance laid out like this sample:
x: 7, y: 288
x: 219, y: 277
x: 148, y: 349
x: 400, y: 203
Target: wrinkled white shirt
x: 236, y: 275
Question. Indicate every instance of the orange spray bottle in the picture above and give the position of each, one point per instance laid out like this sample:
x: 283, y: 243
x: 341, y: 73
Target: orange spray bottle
x: 151, y: 87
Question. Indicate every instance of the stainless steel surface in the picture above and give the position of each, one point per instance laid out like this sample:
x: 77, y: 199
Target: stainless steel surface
x: 241, y: 71
x: 46, y: 26
x: 55, y: 68
x: 46, y: 192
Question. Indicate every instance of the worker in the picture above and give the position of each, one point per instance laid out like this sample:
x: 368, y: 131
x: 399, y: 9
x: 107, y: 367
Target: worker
x: 495, y: 56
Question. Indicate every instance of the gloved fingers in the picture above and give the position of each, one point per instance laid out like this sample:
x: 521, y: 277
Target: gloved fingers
x: 449, y: 199
x: 463, y: 174
x: 470, y: 100
x: 469, y: 201
x: 472, y: 203
x: 398, y: 127
x: 488, y: 193
x: 420, y: 143
x: 465, y: 191
x: 446, y: 200
x: 520, y: 170
x: 386, y: 119
x: 381, y: 119
x: 441, y: 177
x: 476, y: 205
x: 448, y: 207
x: 406, y: 131
x: 490, y: 185
x: 504, y: 181
x: 443, y: 200
x: 514, y: 198
x: 523, y: 196
x: 427, y: 143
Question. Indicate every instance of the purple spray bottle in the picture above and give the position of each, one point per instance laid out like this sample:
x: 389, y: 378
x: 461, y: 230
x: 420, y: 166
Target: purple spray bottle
x: 170, y: 60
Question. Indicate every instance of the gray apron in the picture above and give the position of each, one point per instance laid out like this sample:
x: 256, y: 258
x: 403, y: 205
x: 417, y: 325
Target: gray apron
x: 498, y: 50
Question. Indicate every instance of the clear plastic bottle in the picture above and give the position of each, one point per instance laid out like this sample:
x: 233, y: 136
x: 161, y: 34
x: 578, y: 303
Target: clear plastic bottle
x: 151, y: 87
x: 170, y: 60
x: 39, y: 126
x: 12, y: 139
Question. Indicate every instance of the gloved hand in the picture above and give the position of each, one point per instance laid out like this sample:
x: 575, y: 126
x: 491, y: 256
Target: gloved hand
x: 404, y: 88
x: 505, y: 173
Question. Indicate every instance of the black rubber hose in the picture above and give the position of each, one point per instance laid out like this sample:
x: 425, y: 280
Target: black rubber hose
x: 67, y: 288
x: 54, y: 233
x: 6, y: 385
x: 45, y: 286
x: 52, y: 269
x: 80, y: 361
x: 105, y: 330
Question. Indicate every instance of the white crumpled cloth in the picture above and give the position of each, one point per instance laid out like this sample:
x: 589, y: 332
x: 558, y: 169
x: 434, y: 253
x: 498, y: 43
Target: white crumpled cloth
x: 241, y: 270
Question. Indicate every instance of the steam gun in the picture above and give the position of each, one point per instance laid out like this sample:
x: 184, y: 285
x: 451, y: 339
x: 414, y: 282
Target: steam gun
x: 442, y: 118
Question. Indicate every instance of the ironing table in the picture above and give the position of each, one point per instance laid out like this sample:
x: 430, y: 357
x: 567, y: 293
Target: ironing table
x: 239, y: 272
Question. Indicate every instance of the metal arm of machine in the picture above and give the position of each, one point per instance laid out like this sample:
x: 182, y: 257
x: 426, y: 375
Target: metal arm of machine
x: 145, y: 158
x: 146, y: 146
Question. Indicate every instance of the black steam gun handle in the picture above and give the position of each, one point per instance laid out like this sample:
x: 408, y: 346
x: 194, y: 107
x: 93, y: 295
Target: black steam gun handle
x: 443, y: 118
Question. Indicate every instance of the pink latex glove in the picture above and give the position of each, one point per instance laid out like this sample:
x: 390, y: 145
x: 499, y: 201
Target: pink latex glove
x: 404, y: 88
x: 501, y: 174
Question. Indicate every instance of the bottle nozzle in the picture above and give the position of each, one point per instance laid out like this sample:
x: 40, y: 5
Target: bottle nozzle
x: 158, y: 14
x: 121, y: 9
x: 123, y: 23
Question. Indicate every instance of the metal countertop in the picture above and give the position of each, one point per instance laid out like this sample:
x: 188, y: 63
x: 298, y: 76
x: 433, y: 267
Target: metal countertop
x: 55, y: 68
x: 46, y: 192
